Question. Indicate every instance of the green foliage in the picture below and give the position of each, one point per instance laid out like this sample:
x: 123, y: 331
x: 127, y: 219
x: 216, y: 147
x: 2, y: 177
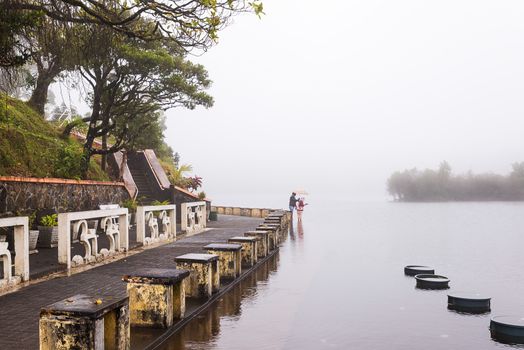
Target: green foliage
x: 201, y: 195
x: 157, y: 202
x: 12, y: 24
x: 31, y: 146
x: 49, y: 220
x: 130, y: 204
x: 32, y: 218
x: 68, y: 162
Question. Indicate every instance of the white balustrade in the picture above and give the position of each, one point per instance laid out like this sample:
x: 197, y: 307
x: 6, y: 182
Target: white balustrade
x: 114, y: 223
x: 160, y: 228
x: 21, y: 241
x: 193, y: 217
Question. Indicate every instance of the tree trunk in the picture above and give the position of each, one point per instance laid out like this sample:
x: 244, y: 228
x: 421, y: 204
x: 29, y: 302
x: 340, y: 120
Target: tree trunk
x: 122, y: 165
x: 104, y: 156
x: 38, y: 98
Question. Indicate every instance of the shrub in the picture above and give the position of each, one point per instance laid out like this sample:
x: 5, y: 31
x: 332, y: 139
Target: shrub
x: 49, y: 220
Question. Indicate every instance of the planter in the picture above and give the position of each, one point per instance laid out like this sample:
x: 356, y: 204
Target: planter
x: 33, y: 239
x: 131, y: 219
x: 48, y: 237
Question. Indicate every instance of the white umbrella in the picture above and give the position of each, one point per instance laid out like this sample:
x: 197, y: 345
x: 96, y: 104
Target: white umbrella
x: 301, y: 192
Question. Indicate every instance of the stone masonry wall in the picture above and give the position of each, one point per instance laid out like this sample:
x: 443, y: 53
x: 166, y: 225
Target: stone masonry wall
x: 23, y: 195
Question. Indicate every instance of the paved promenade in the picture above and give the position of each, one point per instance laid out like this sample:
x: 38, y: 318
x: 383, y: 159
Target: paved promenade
x: 19, y: 311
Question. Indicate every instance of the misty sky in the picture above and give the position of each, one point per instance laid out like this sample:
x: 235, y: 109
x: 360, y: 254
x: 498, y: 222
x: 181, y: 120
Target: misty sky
x: 333, y: 96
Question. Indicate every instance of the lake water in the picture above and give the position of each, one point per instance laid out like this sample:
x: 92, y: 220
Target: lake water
x: 338, y: 281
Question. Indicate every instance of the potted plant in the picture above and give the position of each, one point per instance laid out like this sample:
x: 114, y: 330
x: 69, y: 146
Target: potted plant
x: 48, y: 231
x: 33, y: 234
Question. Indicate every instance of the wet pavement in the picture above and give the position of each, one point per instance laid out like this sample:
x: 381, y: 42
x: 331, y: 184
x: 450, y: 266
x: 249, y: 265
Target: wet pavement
x: 20, y: 310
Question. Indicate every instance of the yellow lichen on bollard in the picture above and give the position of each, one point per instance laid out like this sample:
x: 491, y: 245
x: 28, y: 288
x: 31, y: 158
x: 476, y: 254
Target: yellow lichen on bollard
x: 156, y: 296
x: 150, y: 304
x: 202, y: 281
x: 249, y: 249
x: 83, y: 322
x: 262, y: 242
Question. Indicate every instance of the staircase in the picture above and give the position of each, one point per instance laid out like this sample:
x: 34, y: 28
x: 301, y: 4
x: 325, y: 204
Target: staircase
x: 145, y: 193
x: 149, y: 177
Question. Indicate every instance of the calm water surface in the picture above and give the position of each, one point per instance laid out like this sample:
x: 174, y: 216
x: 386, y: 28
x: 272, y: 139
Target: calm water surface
x: 338, y: 281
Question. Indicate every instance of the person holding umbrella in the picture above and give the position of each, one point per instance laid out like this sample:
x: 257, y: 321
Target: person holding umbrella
x: 300, y: 207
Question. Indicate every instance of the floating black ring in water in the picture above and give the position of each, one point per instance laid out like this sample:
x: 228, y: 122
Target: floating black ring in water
x: 507, y: 329
x: 412, y: 270
x: 473, y: 303
x: 428, y: 281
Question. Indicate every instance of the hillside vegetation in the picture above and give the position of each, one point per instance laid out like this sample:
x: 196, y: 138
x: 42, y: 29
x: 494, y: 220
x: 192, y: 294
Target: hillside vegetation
x: 31, y: 146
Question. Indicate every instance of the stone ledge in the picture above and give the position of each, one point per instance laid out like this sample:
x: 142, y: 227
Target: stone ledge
x: 51, y: 180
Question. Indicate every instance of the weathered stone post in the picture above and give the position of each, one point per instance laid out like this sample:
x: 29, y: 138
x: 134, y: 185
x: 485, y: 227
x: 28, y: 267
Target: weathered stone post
x: 204, y: 277
x: 84, y: 322
x: 272, y: 234
x: 156, y: 296
x: 262, y: 243
x: 249, y: 249
x: 279, y: 231
x: 230, y: 258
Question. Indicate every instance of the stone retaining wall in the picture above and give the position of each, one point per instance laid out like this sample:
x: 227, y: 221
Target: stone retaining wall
x: 24, y: 195
x: 238, y: 211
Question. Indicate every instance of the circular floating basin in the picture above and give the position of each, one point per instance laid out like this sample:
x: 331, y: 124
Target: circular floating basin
x: 507, y: 329
x: 428, y: 281
x: 412, y: 270
x: 469, y: 302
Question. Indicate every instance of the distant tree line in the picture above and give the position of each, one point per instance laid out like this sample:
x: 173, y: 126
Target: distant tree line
x: 429, y: 185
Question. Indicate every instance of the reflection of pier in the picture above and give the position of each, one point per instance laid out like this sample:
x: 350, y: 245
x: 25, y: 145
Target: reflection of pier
x: 207, y: 325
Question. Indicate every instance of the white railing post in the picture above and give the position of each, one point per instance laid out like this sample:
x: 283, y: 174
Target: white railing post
x: 191, y: 211
x: 143, y: 216
x: 64, y: 240
x: 21, y: 242
x: 123, y: 227
x: 140, y: 224
x: 89, y: 239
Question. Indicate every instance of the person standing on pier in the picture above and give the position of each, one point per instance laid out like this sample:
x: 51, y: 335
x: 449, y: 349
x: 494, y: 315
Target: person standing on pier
x: 300, y: 208
x: 292, y: 202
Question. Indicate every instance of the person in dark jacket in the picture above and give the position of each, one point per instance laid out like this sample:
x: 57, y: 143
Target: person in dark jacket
x: 292, y: 202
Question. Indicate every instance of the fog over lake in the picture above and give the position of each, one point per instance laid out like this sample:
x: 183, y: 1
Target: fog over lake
x: 334, y: 96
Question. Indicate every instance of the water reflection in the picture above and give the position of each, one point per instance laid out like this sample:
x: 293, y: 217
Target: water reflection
x: 201, y: 332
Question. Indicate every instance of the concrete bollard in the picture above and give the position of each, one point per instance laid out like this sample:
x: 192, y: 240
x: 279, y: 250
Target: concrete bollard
x: 275, y: 222
x: 230, y: 257
x: 272, y: 234
x: 249, y: 249
x: 262, y: 243
x: 156, y: 296
x: 204, y: 277
x: 279, y: 231
x: 85, y: 322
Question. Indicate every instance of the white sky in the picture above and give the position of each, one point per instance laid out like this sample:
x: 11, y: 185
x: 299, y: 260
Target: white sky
x: 333, y: 96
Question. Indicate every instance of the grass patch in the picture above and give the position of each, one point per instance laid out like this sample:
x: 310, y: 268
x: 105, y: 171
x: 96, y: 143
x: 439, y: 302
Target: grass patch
x: 31, y: 146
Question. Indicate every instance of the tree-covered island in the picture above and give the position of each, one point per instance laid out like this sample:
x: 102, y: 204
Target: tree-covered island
x: 413, y: 185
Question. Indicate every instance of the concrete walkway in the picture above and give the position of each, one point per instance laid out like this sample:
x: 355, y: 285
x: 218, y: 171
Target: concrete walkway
x: 19, y: 311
